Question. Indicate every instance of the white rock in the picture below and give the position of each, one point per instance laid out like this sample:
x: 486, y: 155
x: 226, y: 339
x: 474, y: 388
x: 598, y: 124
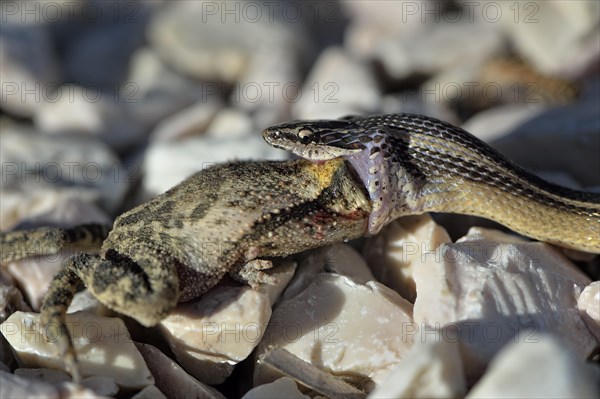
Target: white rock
x: 589, y: 306
x: 283, y: 387
x: 150, y: 392
x: 431, y: 369
x: 496, y: 122
x: 231, y: 123
x: 548, y: 33
x: 338, y: 85
x: 218, y: 48
x: 103, y: 346
x: 33, y: 162
x: 191, y: 121
x: 69, y: 390
x: 496, y: 236
x: 11, y: 300
x: 171, y: 379
x: 87, y: 302
x: 538, y: 368
x: 24, y: 203
x: 211, y: 335
x: 487, y: 293
x: 102, y: 386
x: 154, y: 91
x: 29, y: 69
x: 377, y: 20
x: 195, y: 154
x: 89, y: 111
x: 342, y: 327
x: 269, y: 85
x: 400, y: 248
x: 35, y: 273
x: 15, y: 387
x: 559, y: 139
x: 439, y: 48
x: 338, y: 258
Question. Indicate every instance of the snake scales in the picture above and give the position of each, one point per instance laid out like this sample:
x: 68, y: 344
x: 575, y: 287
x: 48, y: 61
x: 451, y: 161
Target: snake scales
x: 411, y: 164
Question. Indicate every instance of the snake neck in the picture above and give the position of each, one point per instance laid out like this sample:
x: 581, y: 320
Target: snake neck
x: 422, y: 173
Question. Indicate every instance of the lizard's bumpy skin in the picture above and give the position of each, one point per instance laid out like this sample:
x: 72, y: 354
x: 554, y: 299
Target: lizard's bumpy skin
x: 412, y: 164
x: 180, y: 244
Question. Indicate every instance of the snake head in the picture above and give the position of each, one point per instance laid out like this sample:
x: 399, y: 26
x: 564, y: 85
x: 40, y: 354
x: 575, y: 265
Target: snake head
x: 319, y: 140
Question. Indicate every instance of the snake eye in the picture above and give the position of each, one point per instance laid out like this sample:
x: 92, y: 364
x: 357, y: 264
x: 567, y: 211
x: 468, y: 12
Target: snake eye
x: 305, y: 136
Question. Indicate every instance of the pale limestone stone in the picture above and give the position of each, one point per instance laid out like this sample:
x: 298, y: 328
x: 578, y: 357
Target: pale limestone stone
x: 268, y: 86
x: 154, y: 91
x: 29, y: 67
x: 86, y: 301
x: 338, y: 258
x: 87, y: 111
x: 497, y: 122
x: 348, y: 329
x: 231, y: 123
x: 283, y: 387
x: 487, y: 293
x: 195, y: 39
x: 194, y: 154
x: 103, y: 346
x: 102, y: 386
x: 171, y: 379
x: 150, y: 392
x: 439, y: 48
x: 483, y: 234
x: 211, y: 335
x: 35, y: 273
x: 80, y: 166
x: 589, y: 306
x: 400, y: 248
x: 51, y: 376
x: 538, y: 367
x: 11, y: 300
x: 431, y: 369
x: 338, y: 85
x: 547, y: 140
x: 69, y: 390
x: 19, y: 203
x: 377, y: 20
x: 548, y: 33
x: 15, y: 387
x: 190, y: 121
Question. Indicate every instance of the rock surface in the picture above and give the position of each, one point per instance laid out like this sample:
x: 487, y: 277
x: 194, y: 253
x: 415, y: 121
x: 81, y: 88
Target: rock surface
x: 488, y: 293
x: 103, y: 346
x: 517, y: 372
x: 400, y: 248
x: 431, y: 369
x: 211, y: 335
x: 346, y: 328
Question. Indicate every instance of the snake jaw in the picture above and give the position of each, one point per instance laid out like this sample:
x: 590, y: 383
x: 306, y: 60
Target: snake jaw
x: 304, y: 143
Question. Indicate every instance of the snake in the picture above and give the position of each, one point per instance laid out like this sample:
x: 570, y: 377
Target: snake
x: 412, y: 164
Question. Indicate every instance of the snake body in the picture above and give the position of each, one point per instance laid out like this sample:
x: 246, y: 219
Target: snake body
x: 411, y: 164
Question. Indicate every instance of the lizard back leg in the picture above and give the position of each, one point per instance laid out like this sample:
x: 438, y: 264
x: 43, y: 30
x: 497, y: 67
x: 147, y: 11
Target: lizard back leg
x: 21, y: 244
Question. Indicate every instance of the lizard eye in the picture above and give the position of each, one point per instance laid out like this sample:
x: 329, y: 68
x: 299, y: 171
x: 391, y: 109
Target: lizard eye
x: 305, y: 136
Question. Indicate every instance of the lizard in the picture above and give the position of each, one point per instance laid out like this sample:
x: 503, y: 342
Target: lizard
x: 180, y: 244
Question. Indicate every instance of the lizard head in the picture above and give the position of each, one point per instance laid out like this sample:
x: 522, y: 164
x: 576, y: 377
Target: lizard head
x: 319, y: 140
